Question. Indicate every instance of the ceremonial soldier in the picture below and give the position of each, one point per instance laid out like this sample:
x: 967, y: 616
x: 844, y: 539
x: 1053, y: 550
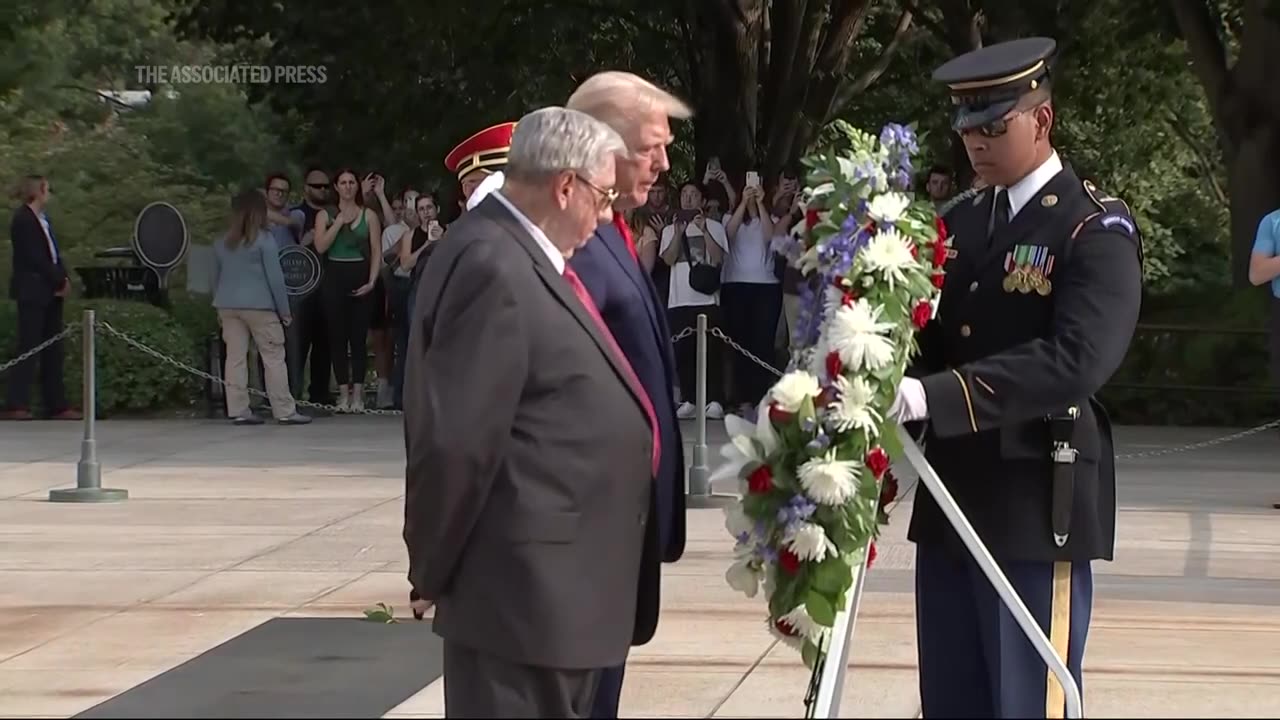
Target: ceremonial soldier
x: 479, y: 157
x: 1042, y: 292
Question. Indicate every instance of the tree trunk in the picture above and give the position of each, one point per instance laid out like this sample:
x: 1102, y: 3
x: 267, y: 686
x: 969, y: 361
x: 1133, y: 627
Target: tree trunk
x: 1245, y: 101
x: 769, y: 74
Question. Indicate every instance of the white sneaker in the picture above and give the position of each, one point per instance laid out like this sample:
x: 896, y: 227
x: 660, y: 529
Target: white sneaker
x: 385, y: 397
x: 686, y: 411
x: 715, y: 411
x: 357, y: 403
x: 344, y: 403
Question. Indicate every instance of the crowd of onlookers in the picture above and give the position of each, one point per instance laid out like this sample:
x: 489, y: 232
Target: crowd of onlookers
x: 709, y: 246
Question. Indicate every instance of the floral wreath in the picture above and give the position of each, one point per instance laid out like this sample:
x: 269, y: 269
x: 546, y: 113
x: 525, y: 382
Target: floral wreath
x: 813, y: 469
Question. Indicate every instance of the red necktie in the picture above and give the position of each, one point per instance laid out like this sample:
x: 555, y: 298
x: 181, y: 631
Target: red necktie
x: 621, y: 223
x: 581, y: 291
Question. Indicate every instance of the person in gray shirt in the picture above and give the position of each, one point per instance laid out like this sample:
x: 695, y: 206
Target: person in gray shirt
x: 250, y: 298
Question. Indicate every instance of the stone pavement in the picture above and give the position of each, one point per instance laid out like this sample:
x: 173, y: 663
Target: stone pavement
x: 229, y: 528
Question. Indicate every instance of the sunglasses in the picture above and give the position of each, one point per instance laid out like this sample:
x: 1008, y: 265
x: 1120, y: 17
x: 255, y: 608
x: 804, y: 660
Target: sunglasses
x: 996, y: 128
x: 318, y: 186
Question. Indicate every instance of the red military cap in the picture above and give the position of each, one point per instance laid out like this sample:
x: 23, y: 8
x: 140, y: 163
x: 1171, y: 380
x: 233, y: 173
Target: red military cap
x: 486, y: 150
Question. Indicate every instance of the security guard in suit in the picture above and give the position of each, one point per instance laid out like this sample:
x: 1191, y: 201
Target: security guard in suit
x: 1041, y: 297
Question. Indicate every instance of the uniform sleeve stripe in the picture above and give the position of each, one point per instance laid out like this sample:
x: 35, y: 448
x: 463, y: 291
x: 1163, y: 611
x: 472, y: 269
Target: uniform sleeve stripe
x: 968, y: 400
x: 984, y: 385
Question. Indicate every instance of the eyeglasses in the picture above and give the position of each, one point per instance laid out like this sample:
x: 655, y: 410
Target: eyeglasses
x: 607, y: 197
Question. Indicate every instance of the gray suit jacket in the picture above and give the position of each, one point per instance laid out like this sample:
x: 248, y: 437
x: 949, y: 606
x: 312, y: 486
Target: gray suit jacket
x: 528, y: 479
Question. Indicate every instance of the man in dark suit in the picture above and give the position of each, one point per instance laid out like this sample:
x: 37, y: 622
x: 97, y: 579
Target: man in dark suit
x: 531, y: 443
x: 609, y: 266
x: 39, y: 285
x: 1041, y: 297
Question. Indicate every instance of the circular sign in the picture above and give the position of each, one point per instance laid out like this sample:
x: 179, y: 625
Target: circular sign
x: 160, y: 236
x: 301, y: 269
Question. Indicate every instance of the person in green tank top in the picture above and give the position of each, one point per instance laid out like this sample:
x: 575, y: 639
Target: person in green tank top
x: 351, y: 246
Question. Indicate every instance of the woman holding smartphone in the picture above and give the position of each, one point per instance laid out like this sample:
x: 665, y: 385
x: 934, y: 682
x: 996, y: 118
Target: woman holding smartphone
x: 412, y: 250
x: 350, y: 244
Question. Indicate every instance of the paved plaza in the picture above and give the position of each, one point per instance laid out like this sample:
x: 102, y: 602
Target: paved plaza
x: 239, y: 569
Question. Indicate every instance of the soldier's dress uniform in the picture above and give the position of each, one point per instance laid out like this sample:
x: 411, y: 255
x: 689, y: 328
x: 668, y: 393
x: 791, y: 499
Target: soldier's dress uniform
x: 1041, y: 298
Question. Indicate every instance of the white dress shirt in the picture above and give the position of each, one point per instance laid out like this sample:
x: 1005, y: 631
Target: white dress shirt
x: 1021, y: 192
x: 553, y: 254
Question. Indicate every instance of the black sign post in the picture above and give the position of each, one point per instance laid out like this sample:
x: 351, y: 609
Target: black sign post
x: 301, y: 270
x: 160, y: 239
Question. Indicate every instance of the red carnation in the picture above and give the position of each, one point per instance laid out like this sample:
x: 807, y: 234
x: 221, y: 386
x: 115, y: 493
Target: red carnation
x: 938, y: 280
x: 939, y: 254
x: 850, y: 297
x: 778, y: 415
x: 941, y: 227
x: 810, y: 219
x: 871, y: 555
x: 915, y: 251
x: 789, y: 561
x: 760, y: 480
x: 922, y: 313
x: 834, y: 366
x: 784, y: 627
x: 888, y: 489
x: 877, y: 461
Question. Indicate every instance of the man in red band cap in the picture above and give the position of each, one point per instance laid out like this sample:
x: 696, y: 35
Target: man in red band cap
x: 609, y: 267
x: 479, y: 156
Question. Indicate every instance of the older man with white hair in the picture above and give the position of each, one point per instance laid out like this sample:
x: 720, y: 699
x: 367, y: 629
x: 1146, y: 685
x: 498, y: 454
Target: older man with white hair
x: 609, y: 267
x: 531, y: 443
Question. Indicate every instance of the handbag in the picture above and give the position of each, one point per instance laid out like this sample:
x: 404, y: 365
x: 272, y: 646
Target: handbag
x: 703, y: 277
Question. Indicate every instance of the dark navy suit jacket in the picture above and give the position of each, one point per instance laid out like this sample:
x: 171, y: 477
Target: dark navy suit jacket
x: 629, y: 303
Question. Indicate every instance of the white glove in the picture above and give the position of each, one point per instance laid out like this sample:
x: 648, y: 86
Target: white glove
x: 911, y: 403
x: 486, y: 186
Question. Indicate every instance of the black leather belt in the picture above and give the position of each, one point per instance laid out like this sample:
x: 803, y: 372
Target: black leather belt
x: 1061, y: 428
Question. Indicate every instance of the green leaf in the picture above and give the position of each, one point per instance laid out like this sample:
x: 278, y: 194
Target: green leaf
x: 890, y: 441
x: 832, y: 575
x: 820, y: 609
x: 809, y: 653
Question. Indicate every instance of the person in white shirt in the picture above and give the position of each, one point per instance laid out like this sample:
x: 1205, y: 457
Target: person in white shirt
x: 686, y: 249
x: 381, y: 327
x: 751, y: 296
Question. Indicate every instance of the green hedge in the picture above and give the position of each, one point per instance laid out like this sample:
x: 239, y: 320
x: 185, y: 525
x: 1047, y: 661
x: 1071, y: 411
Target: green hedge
x: 128, y: 381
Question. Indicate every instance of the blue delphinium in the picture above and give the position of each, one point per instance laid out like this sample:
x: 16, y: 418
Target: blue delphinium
x: 900, y: 141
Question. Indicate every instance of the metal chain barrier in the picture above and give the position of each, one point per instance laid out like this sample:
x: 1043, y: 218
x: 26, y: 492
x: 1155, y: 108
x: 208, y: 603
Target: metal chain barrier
x: 66, y: 332
x: 682, y: 335
x: 142, y: 347
x: 716, y: 333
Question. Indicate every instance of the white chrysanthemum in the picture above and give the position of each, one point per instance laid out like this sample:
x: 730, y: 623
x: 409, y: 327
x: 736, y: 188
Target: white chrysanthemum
x: 889, y: 207
x: 830, y: 481
x: 793, y: 389
x: 857, y: 334
x: 804, y: 625
x: 748, y: 444
x: 810, y: 542
x: 736, y: 521
x: 744, y: 577
x: 852, y: 409
x: 889, y: 254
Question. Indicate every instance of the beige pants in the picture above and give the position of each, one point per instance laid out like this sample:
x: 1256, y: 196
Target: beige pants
x: 790, y: 313
x: 264, y: 326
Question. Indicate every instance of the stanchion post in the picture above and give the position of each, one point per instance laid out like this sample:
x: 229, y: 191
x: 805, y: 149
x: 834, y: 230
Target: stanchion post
x: 700, y: 495
x: 88, y: 487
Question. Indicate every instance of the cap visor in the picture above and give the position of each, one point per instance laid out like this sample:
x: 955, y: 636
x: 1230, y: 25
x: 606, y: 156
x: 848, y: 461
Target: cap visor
x: 968, y: 118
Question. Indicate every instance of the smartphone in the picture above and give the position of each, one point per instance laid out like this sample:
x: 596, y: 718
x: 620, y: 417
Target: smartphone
x: 713, y: 165
x: 753, y: 179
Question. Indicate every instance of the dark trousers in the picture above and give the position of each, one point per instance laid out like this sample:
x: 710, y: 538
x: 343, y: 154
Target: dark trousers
x: 609, y: 693
x: 398, y: 296
x: 751, y: 313
x: 687, y: 352
x: 38, y: 322
x: 307, y: 337
x: 975, y: 661
x: 1273, y: 340
x: 348, y: 317
x: 480, y: 685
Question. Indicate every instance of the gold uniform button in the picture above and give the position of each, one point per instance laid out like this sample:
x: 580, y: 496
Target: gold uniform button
x: 965, y: 331
x: 973, y: 286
